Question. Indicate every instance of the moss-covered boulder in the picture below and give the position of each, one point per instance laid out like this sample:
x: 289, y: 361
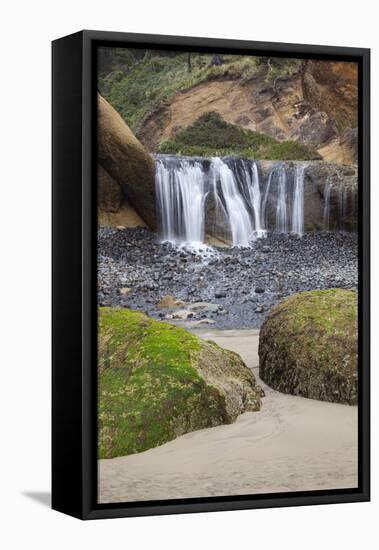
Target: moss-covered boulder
x: 308, y: 346
x: 158, y: 381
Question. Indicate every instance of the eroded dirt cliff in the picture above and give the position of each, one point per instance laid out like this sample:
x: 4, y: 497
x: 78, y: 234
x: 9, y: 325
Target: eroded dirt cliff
x: 316, y: 106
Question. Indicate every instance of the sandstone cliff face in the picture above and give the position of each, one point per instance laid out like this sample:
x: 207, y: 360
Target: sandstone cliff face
x: 125, y: 163
x: 113, y: 208
x: 109, y: 192
x: 316, y: 106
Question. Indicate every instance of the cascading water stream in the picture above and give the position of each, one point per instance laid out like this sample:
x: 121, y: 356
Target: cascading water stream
x: 298, y: 202
x: 184, y: 187
x: 265, y: 198
x: 342, y: 206
x: 281, y: 205
x: 180, y: 192
x: 255, y: 198
x: 326, y: 216
x: 227, y: 194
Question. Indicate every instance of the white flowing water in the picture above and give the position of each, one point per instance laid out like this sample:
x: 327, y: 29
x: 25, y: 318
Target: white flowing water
x: 255, y: 198
x: 227, y: 193
x: 326, y: 217
x: 241, y: 208
x: 265, y: 198
x: 180, y: 199
x: 342, y: 206
x: 298, y: 202
x: 281, y: 205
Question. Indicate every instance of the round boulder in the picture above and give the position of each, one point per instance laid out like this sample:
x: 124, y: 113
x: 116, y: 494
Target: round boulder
x: 158, y: 381
x: 308, y: 346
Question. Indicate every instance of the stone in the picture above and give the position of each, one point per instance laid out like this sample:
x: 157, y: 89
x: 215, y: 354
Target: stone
x: 182, y: 314
x: 109, y: 192
x: 201, y: 322
x: 127, y: 161
x: 317, y: 129
x: 169, y: 301
x: 204, y: 306
x: 308, y: 346
x: 170, y: 378
x: 125, y: 290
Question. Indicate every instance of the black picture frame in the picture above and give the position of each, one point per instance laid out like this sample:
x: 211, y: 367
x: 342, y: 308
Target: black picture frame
x: 74, y: 316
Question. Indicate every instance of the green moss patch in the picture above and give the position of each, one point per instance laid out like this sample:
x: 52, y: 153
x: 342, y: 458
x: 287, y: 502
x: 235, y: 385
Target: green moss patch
x: 211, y: 135
x: 150, y: 386
x: 136, y: 88
x: 308, y: 346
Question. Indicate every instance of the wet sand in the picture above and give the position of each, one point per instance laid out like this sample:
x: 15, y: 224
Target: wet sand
x: 292, y: 444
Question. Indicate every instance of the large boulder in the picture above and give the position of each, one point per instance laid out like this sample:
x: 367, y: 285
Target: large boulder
x: 308, y: 346
x: 127, y: 161
x: 113, y: 209
x: 109, y: 192
x: 158, y: 381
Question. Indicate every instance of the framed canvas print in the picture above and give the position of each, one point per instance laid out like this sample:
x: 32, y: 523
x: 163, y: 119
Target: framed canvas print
x: 210, y: 274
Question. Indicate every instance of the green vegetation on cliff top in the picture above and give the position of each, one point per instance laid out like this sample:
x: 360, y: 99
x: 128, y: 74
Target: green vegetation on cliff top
x: 136, y: 82
x: 211, y: 135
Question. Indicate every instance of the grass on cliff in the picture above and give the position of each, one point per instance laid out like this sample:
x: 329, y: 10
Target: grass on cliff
x: 152, y: 81
x: 137, y: 87
x: 149, y: 391
x: 211, y: 135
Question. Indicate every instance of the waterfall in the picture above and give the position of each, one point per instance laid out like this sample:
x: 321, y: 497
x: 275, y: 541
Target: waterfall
x: 298, y: 202
x: 241, y: 211
x: 265, y: 198
x: 255, y: 199
x: 326, y: 217
x: 342, y: 207
x: 281, y: 205
x: 228, y: 195
x: 180, y: 192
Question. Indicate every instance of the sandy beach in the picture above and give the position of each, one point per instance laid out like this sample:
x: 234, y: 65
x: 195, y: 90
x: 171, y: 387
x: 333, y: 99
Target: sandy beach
x: 292, y: 444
